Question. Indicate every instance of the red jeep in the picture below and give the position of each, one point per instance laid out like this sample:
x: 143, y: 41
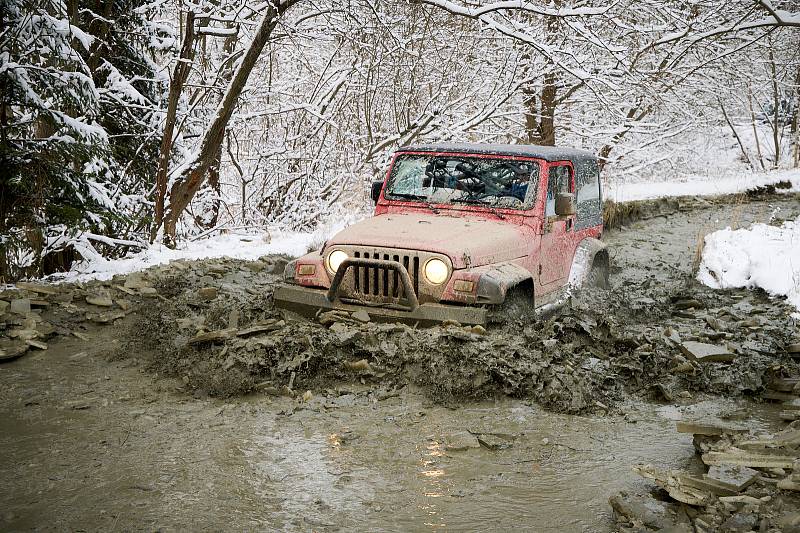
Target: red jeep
x: 458, y: 230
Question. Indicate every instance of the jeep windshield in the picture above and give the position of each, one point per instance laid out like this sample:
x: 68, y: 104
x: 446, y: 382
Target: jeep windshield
x: 464, y: 179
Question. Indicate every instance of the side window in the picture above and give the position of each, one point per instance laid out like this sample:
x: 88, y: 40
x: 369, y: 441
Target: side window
x: 529, y: 189
x: 587, y: 183
x: 559, y: 180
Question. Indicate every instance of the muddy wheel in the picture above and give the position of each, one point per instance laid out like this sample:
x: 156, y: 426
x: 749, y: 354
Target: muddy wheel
x: 598, y: 275
x: 518, y: 306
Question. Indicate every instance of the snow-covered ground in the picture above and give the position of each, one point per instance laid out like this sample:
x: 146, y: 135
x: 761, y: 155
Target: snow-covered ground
x: 236, y: 245
x: 761, y: 256
x: 699, y: 185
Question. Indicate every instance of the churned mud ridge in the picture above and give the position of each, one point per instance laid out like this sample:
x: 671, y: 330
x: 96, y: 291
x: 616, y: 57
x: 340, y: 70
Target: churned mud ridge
x: 607, y: 346
x: 213, y: 326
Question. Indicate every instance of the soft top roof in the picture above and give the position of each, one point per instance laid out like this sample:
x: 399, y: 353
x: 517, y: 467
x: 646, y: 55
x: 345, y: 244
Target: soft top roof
x: 548, y: 153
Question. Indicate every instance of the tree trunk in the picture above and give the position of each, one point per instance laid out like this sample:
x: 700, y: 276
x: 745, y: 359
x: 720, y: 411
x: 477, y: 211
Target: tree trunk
x: 728, y: 120
x: 179, y: 75
x: 547, y: 122
x: 796, y: 120
x: 192, y: 178
x: 228, y: 47
x: 776, y: 109
x: 755, y: 128
x: 531, y: 112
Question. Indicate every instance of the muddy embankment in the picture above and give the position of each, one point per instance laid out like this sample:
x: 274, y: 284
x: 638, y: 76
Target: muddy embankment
x: 211, y: 325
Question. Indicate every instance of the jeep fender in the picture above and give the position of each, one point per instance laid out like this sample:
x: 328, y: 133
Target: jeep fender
x: 497, y: 279
x: 585, y: 254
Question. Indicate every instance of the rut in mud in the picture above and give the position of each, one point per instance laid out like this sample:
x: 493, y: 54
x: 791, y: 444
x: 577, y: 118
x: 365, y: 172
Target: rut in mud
x: 214, y: 328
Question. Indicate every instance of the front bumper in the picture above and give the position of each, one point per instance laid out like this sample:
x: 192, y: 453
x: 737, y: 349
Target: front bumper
x: 308, y: 301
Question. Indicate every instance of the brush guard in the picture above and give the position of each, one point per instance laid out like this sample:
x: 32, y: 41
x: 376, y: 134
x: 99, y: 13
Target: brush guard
x: 402, y: 308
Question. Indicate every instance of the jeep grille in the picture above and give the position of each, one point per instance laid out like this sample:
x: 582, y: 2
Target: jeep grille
x: 382, y: 286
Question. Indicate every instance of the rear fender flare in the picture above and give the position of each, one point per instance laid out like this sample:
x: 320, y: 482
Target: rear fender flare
x: 497, y: 279
x: 585, y: 254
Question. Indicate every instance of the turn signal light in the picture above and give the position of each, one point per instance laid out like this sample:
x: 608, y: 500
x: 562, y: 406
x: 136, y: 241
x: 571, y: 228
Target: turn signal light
x: 463, y: 285
x: 306, y: 270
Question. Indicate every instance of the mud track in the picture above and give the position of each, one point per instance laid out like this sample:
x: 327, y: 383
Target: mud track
x: 189, y: 403
x: 605, y: 347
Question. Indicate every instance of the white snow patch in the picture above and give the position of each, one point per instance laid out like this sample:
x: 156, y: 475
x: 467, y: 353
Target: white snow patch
x: 762, y: 256
x: 246, y: 246
x: 699, y: 185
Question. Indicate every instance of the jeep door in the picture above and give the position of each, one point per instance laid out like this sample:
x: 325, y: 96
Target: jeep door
x: 557, y: 244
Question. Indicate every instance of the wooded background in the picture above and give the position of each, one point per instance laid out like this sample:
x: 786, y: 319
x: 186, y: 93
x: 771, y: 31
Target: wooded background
x: 129, y: 122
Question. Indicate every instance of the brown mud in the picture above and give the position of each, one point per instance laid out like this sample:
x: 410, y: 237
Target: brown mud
x: 247, y: 419
x: 606, y: 346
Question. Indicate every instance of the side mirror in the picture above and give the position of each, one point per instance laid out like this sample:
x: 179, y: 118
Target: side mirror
x: 565, y: 204
x: 376, y: 190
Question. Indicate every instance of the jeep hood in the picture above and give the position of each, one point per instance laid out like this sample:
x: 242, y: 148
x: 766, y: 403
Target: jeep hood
x: 482, y: 241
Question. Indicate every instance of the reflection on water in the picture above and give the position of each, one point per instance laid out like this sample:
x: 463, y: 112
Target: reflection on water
x: 433, y: 482
x: 556, y: 473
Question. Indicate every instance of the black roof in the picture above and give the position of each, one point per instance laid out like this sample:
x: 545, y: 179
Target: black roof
x: 548, y: 153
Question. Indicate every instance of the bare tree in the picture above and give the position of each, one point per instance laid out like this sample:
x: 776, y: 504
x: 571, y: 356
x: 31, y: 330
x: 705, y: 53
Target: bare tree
x: 179, y: 75
x: 192, y: 178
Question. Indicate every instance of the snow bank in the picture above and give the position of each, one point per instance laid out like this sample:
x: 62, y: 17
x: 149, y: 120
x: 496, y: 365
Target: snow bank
x: 247, y: 246
x: 761, y: 256
x: 699, y: 185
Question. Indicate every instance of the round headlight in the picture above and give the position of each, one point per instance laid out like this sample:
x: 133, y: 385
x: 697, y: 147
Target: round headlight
x: 436, y: 271
x: 335, y: 259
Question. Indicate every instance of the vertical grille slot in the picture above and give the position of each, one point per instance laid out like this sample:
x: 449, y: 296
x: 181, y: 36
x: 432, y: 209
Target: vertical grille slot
x: 356, y: 271
x: 415, y: 275
x: 376, y: 285
x: 386, y: 277
x: 395, y: 279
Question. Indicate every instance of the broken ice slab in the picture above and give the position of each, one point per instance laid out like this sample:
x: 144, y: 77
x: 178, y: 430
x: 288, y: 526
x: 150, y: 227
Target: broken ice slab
x: 674, y: 483
x: 706, y: 353
x: 706, y: 484
x: 460, y: 441
x: 790, y: 415
x: 37, y: 288
x: 708, y: 426
x: 733, y: 477
x: 735, y: 456
x: 792, y: 405
x: 783, y: 384
x: 213, y: 336
x: 778, y: 396
x: 12, y: 350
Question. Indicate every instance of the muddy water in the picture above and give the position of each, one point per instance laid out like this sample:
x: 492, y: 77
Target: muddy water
x: 85, y: 450
x: 89, y: 444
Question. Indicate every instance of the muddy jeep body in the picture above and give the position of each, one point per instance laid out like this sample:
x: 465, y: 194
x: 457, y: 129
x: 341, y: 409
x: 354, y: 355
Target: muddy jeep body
x: 537, y: 238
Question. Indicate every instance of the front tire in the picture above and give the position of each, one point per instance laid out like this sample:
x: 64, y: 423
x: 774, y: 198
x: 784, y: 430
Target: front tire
x: 598, y: 274
x: 518, y: 306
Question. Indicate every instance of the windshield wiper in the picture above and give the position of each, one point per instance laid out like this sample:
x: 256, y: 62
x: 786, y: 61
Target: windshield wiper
x: 469, y: 200
x: 494, y: 211
x: 421, y: 198
x: 408, y: 196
